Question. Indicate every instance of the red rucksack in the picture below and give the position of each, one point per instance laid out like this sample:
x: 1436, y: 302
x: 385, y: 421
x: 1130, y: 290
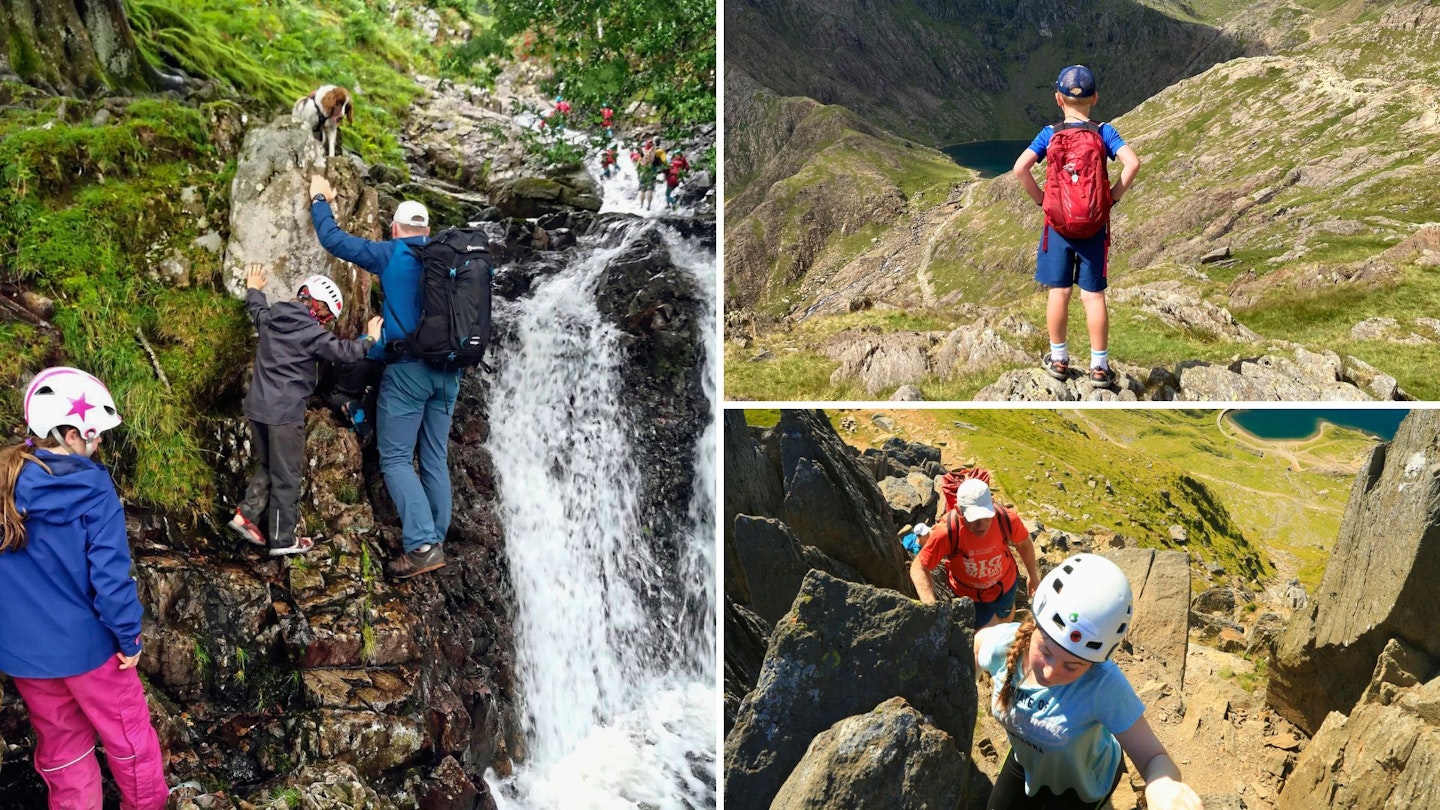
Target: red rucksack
x: 1077, y: 185
x: 952, y: 480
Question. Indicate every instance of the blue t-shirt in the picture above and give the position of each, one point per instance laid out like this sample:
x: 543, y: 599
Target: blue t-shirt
x: 1064, y: 736
x: 1109, y: 134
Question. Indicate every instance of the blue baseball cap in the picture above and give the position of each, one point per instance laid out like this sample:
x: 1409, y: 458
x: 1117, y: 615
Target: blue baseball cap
x: 1076, y: 81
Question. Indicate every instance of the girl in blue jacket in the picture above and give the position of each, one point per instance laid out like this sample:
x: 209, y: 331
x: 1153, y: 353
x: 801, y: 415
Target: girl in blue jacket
x: 70, y: 619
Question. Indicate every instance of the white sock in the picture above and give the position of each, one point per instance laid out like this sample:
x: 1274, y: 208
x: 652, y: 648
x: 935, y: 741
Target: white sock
x: 1059, y: 352
x: 1100, y: 359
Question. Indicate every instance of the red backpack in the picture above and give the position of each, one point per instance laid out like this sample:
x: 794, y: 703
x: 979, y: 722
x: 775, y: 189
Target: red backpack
x: 1077, y: 185
x: 952, y: 480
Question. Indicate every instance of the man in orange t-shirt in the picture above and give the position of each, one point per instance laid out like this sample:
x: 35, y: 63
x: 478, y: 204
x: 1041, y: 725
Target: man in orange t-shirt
x: 971, y: 541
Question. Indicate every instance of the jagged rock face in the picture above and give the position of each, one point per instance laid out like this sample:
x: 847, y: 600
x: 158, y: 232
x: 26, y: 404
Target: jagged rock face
x: 270, y: 217
x: 1160, y: 584
x: 1386, y: 753
x: 775, y: 564
x: 926, y: 75
x: 320, y: 659
x: 832, y: 502
x: 1379, y: 585
x: 1180, y: 309
x: 753, y: 486
x: 1302, y: 376
x: 889, y: 757
x: 464, y: 134
x: 912, y: 498
x: 842, y: 650
x: 665, y: 321
x: 746, y: 637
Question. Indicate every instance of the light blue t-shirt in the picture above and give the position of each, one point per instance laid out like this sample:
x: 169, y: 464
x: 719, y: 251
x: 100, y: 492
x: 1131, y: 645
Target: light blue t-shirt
x: 1108, y: 134
x: 1064, y: 736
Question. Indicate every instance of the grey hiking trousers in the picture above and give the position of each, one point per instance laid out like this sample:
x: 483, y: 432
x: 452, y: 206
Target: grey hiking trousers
x: 272, y: 499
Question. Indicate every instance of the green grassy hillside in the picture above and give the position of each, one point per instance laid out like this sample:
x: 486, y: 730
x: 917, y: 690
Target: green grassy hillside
x: 1254, y: 508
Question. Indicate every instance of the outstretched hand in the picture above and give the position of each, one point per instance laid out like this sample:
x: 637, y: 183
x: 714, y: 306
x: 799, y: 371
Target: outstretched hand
x: 255, y: 276
x: 319, y: 185
x: 1168, y: 794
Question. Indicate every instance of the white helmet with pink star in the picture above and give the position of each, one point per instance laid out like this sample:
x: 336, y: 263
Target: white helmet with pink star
x: 63, y: 396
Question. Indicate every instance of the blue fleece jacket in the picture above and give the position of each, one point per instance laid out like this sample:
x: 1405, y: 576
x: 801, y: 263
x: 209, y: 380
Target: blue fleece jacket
x: 69, y: 602
x: 390, y: 260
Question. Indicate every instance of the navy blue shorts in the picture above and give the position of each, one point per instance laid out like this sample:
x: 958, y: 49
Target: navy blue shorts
x: 985, y: 611
x: 1061, y: 262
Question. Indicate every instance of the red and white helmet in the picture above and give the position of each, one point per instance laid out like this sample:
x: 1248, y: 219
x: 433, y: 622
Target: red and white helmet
x: 1085, y: 606
x: 63, y: 396
x: 321, y: 288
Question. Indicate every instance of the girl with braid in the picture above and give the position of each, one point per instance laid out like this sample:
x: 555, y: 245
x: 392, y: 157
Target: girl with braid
x: 70, y: 616
x: 1066, y: 707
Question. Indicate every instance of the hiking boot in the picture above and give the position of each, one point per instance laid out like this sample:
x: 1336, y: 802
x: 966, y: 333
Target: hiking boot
x: 1059, y: 369
x: 247, y: 530
x: 1102, y: 377
x: 300, y: 546
x: 426, y: 558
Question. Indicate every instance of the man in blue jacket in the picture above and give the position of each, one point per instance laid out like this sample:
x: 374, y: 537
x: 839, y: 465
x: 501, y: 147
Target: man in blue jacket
x: 416, y: 401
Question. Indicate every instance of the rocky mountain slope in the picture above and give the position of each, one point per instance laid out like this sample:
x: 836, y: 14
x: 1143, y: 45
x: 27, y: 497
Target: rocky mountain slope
x: 1268, y: 180
x: 1206, y: 643
x: 948, y: 72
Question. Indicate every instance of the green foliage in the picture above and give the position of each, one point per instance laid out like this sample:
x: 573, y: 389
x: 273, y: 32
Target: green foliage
x: 81, y: 209
x: 610, y: 51
x: 276, y: 52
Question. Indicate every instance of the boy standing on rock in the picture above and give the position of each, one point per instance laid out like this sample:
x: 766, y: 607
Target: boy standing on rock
x: 294, y: 335
x: 1078, y: 195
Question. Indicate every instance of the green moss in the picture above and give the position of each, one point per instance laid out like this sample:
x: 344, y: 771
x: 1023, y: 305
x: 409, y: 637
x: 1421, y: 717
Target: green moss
x: 81, y: 209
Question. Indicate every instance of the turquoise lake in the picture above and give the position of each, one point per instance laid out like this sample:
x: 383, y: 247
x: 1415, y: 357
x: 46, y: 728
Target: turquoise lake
x: 1299, y: 424
x: 990, y: 158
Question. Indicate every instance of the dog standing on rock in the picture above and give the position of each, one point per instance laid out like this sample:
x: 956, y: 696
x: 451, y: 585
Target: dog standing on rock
x: 322, y: 110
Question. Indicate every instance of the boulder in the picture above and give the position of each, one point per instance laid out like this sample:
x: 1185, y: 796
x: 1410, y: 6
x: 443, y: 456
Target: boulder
x: 1260, y: 639
x: 530, y: 197
x: 746, y: 637
x: 1380, y: 583
x: 1180, y: 308
x: 889, y: 757
x: 842, y: 650
x: 880, y: 361
x: 832, y: 502
x: 911, y: 498
x: 1379, y: 757
x: 1305, y: 376
x: 1217, y: 601
x: 775, y: 564
x: 1160, y: 582
x: 270, y: 217
x: 1035, y: 385
x: 975, y: 348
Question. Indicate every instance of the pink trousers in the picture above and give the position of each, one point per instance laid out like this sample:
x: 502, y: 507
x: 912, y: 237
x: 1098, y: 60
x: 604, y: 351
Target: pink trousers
x: 68, y: 713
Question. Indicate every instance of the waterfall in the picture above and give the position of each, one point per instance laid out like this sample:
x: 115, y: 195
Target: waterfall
x: 617, y: 693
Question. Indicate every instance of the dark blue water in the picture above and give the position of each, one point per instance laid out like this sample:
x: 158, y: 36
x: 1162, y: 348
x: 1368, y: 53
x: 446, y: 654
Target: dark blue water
x: 990, y: 158
x: 1300, y: 424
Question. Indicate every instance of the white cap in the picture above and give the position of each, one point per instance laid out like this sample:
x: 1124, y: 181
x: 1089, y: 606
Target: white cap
x: 413, y: 214
x: 973, y: 500
x: 921, y: 530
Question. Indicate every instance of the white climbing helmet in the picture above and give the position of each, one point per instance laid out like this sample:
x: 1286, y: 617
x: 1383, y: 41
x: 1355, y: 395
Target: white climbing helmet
x: 63, y: 396
x: 321, y: 288
x: 1085, y: 606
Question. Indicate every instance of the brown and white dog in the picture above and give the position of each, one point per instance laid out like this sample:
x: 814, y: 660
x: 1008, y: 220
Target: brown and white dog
x: 322, y: 110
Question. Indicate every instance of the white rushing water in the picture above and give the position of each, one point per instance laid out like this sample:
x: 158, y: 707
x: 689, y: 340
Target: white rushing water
x: 617, y: 691
x: 620, y: 191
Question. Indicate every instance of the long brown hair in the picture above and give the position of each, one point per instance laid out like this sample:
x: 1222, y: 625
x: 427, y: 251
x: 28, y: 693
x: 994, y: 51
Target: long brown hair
x: 1012, y: 660
x: 12, y: 458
